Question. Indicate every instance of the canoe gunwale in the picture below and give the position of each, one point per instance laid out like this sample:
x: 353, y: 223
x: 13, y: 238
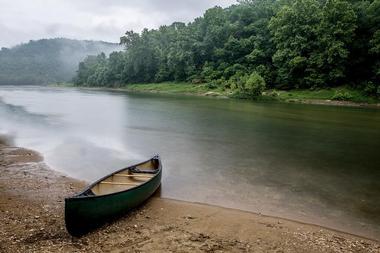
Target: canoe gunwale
x: 79, y: 195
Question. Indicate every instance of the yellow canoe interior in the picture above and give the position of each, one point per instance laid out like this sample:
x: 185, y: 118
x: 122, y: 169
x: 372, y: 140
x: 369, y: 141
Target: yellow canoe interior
x: 124, y: 180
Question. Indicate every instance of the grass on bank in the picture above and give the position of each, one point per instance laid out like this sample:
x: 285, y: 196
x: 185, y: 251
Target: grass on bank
x: 62, y: 84
x: 169, y: 87
x: 338, y: 93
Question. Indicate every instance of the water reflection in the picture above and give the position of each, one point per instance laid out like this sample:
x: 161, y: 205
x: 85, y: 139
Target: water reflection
x: 313, y: 163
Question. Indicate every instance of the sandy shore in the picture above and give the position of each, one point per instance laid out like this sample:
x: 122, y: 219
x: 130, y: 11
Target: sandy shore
x: 32, y: 220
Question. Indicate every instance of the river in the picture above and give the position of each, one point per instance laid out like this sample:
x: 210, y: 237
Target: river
x: 316, y: 164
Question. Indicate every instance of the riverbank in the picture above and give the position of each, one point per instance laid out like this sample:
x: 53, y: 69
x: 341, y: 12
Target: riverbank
x: 32, y: 215
x: 339, y: 96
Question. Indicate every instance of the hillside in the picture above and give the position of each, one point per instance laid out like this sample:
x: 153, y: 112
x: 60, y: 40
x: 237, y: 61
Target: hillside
x: 252, y: 46
x: 47, y: 60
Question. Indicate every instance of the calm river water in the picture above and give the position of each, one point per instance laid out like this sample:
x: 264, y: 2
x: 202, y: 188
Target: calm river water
x: 316, y: 164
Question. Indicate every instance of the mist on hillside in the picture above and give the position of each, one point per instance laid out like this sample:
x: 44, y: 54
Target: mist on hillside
x: 48, y: 60
x: 71, y: 54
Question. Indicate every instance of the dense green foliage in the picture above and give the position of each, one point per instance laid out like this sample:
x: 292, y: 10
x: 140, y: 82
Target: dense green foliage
x: 287, y: 44
x: 46, y: 61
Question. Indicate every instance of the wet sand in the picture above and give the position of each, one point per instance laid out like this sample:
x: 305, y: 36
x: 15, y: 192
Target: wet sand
x: 32, y: 220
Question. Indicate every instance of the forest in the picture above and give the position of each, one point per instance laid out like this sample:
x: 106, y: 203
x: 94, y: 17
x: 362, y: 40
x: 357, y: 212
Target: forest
x: 47, y: 61
x: 252, y: 46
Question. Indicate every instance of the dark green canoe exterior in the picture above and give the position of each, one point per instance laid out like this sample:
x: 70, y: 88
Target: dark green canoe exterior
x: 84, y: 213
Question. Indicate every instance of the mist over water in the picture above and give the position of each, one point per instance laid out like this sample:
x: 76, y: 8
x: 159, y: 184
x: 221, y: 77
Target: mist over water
x: 316, y: 164
x: 70, y: 56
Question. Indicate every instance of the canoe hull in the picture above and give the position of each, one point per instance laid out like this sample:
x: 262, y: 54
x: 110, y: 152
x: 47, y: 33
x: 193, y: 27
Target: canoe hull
x: 82, y: 214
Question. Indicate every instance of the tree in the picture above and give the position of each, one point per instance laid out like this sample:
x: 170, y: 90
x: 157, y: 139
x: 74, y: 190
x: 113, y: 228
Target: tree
x: 288, y: 43
x: 374, y: 43
x: 312, y: 40
x: 294, y: 31
x: 253, y: 86
x: 335, y: 34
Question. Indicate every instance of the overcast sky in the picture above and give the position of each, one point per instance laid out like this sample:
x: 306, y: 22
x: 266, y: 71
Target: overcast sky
x: 23, y: 20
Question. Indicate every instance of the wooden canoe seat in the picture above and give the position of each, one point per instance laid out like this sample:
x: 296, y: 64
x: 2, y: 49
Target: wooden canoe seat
x: 126, y: 179
x: 133, y: 175
x: 117, y: 183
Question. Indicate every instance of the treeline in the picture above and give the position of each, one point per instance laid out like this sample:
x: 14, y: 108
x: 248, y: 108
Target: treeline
x: 282, y: 44
x: 47, y: 60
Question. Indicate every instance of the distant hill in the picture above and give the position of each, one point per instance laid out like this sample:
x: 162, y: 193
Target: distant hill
x: 47, y: 60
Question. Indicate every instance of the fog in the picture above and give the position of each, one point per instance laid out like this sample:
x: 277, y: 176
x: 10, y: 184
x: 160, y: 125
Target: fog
x: 22, y: 20
x: 70, y: 57
x: 48, y: 60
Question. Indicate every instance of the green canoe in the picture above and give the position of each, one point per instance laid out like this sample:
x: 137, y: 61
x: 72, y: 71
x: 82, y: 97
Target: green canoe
x: 112, y: 196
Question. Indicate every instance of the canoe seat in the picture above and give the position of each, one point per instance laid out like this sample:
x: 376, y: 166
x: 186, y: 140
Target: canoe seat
x: 127, y: 178
x: 117, y: 183
x: 133, y: 175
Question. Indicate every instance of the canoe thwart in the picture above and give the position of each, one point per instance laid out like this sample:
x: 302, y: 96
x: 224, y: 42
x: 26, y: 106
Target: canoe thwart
x: 132, y: 175
x: 117, y: 183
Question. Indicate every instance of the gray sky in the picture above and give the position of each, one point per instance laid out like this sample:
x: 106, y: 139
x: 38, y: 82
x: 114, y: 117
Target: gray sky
x: 23, y: 20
